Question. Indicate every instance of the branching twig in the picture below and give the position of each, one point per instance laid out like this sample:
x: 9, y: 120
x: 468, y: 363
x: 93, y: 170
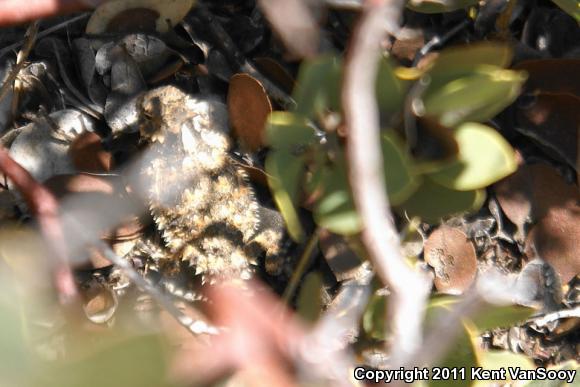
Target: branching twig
x: 409, y: 289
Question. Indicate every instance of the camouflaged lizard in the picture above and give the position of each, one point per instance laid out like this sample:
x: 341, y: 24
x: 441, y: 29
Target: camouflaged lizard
x: 200, y: 199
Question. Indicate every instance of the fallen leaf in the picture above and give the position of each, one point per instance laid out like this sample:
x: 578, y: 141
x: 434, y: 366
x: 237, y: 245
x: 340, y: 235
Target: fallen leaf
x: 248, y: 107
x: 453, y: 258
x: 118, y: 15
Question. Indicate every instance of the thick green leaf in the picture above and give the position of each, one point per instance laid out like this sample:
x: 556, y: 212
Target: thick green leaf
x: 432, y: 201
x: 335, y: 210
x: 285, y: 172
x: 484, y: 158
x: 458, y: 61
x: 309, y: 303
x: 439, y: 6
x: 572, y: 7
x: 399, y: 176
x: 289, y: 131
x: 373, y: 320
x: 389, y: 89
x: 494, y: 316
x: 290, y: 138
x: 462, y: 353
x: 318, y: 86
x: 478, y: 96
x: 138, y: 361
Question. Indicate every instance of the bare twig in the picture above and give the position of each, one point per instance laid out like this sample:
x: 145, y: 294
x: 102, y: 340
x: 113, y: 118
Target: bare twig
x: 22, y: 55
x: 294, y: 23
x: 45, y: 32
x: 550, y: 317
x: 409, y: 289
x: 44, y: 206
x: 196, y: 327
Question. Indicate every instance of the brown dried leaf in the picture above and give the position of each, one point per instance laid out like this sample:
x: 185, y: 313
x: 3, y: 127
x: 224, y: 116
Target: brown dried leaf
x: 531, y: 192
x: 88, y: 154
x: 132, y: 15
x: 453, y: 257
x: 556, y: 240
x: 249, y: 107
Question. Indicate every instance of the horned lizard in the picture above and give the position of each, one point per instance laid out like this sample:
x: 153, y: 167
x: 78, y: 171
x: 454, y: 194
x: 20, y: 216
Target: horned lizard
x: 200, y: 199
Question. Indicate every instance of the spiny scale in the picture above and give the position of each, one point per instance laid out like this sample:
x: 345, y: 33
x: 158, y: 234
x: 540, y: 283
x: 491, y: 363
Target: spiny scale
x: 200, y: 200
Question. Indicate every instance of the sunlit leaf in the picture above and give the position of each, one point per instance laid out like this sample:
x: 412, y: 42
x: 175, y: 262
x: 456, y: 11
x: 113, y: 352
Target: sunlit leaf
x: 318, y: 86
x: 478, y: 96
x: 462, y: 353
x: 432, y: 201
x: 438, y: 6
x: 572, y: 7
x: 289, y: 131
x: 309, y: 303
x: 484, y: 158
x: 460, y: 60
x: 285, y: 172
x: 164, y: 14
x: 494, y: 360
x: 494, y: 316
x: 289, y: 136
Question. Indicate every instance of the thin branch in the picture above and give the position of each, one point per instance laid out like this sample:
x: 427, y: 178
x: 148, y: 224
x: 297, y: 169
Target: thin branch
x: 409, y: 288
x: 45, y: 32
x: 22, y: 55
x: 44, y: 206
x: 195, y: 327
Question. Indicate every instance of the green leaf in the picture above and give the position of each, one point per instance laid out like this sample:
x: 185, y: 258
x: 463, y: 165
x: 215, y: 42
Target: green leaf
x: 285, y: 172
x: 478, y: 96
x: 571, y: 7
x: 290, y: 138
x: 290, y: 131
x: 462, y: 353
x: 309, y: 303
x: 495, y: 316
x: 335, y: 210
x: 432, y: 201
x: 495, y: 360
x: 484, y: 158
x: 439, y: 6
x: 399, y: 176
x: 318, y: 86
x: 460, y: 60
x: 138, y: 361
x: 389, y: 89
x: 373, y: 320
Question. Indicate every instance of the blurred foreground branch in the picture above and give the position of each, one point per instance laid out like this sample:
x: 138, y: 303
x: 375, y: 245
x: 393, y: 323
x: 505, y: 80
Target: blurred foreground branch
x: 409, y: 288
x: 44, y: 206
